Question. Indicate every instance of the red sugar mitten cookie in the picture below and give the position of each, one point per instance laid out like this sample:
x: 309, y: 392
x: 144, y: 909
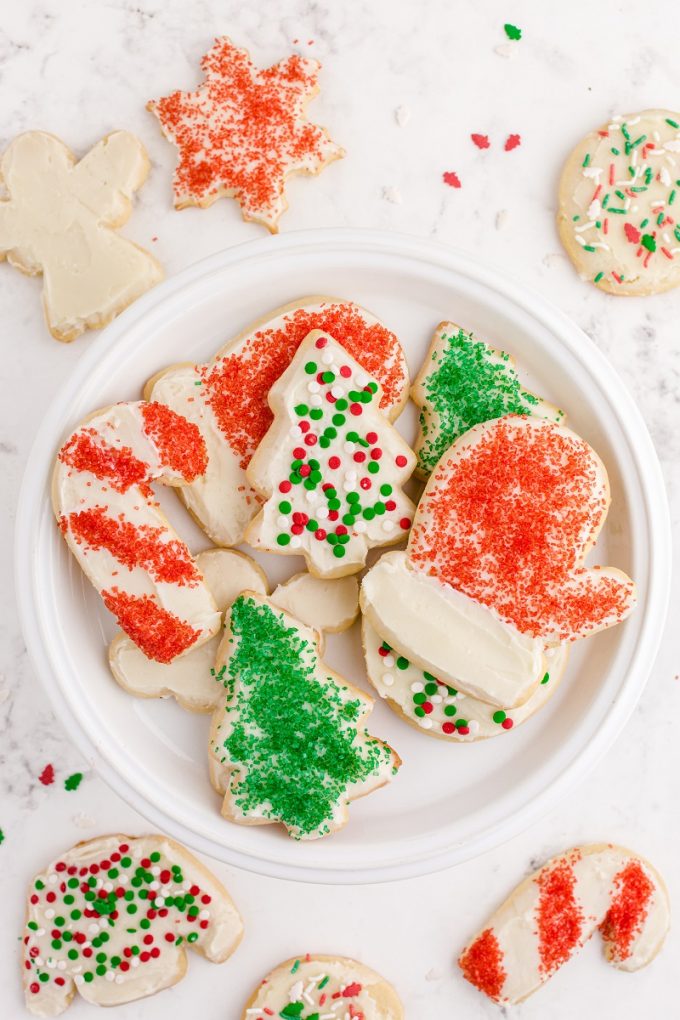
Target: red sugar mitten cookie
x: 554, y: 912
x: 494, y: 567
x: 113, y: 917
x: 244, y: 131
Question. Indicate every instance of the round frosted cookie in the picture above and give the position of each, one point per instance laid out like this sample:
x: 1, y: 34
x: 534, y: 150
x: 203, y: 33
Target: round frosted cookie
x: 617, y: 214
x: 313, y: 987
x: 328, y: 605
x: 551, y: 914
x: 112, y: 919
x: 439, y: 710
x: 243, y: 131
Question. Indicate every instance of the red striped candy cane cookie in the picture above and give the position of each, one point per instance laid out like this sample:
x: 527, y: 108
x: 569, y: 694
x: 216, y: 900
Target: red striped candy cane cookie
x: 227, y: 398
x: 554, y: 912
x: 494, y: 571
x: 114, y: 527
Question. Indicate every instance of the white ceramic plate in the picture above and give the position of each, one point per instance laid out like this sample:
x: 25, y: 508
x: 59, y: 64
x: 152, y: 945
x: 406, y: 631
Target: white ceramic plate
x: 449, y: 802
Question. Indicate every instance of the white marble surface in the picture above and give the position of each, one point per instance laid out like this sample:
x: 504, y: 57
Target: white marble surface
x: 80, y: 68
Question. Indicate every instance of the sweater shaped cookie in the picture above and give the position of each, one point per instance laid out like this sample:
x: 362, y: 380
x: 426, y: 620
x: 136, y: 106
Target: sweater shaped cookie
x: 494, y: 568
x: 60, y: 219
x: 331, y: 466
x: 112, y: 919
x: 289, y: 743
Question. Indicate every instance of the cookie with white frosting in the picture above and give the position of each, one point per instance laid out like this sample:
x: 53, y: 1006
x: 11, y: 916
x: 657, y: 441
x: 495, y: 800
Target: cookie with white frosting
x: 112, y: 919
x: 551, y: 914
x: 312, y: 987
x: 617, y: 204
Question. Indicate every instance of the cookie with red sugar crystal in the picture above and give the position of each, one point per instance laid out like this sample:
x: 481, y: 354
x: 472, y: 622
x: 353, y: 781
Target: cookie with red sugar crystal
x: 243, y: 131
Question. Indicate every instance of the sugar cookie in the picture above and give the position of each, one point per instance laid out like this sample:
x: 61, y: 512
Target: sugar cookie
x: 227, y: 398
x: 289, y: 742
x: 440, y: 710
x: 551, y: 914
x: 60, y: 219
x: 312, y: 987
x: 327, y: 605
x: 494, y: 567
x: 464, y: 381
x: 107, y: 512
x: 616, y: 195
x: 112, y: 919
x: 244, y: 131
x: 331, y: 467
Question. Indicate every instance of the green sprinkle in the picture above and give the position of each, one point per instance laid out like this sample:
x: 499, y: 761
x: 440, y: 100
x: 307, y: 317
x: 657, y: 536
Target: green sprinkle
x: 310, y: 367
x: 293, y: 1011
x: 673, y: 123
x: 301, y: 410
x: 546, y: 678
x: 285, y: 507
x: 671, y: 197
x: 619, y: 212
x: 499, y: 717
x: 295, y: 967
x: 513, y: 32
x: 648, y: 241
x: 644, y: 223
x: 588, y: 247
x: 596, y: 279
x: 283, y: 539
x: 660, y: 218
x: 324, y: 982
x: 316, y: 414
x: 586, y: 161
x: 615, y: 151
x: 74, y: 781
x: 450, y: 709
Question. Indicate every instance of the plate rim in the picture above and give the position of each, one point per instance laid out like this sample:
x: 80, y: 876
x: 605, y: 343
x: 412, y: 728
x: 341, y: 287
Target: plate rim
x: 621, y: 406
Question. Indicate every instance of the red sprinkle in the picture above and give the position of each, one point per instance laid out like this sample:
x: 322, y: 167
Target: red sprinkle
x: 481, y: 141
x: 511, y: 142
x: 46, y: 777
x: 452, y: 179
x: 160, y: 635
x: 558, y: 916
x: 632, y: 233
x: 482, y: 965
x: 628, y: 910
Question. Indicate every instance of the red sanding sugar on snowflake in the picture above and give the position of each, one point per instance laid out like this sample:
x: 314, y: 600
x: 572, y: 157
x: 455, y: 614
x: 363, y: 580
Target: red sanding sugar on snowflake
x: 243, y: 131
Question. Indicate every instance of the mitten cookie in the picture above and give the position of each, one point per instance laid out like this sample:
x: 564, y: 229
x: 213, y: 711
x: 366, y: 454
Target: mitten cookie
x: 227, y: 398
x: 331, y: 467
x: 289, y: 743
x: 554, y: 912
x: 440, y: 710
x: 112, y: 919
x: 315, y: 987
x: 244, y: 131
x: 494, y: 567
x: 107, y: 512
x: 60, y: 219
x: 615, y: 216
x: 464, y: 381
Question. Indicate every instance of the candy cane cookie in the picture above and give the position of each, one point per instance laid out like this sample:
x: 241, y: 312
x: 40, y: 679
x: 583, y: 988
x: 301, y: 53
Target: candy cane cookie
x: 312, y: 987
x: 616, y: 209
x: 463, y: 381
x: 227, y: 398
x: 494, y: 570
x: 551, y: 914
x: 106, y: 510
x: 112, y: 919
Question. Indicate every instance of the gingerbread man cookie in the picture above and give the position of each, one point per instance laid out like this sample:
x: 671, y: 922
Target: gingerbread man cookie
x: 112, y: 919
x: 60, y: 219
x: 227, y: 398
x: 289, y: 743
x: 494, y: 568
x: 554, y: 912
x: 244, y: 131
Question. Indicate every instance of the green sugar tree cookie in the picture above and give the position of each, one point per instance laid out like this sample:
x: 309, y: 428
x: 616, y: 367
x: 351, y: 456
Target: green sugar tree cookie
x: 463, y: 382
x: 289, y: 744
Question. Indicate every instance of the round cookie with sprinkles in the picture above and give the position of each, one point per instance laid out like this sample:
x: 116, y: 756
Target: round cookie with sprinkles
x: 440, y: 710
x: 554, y: 912
x: 464, y: 381
x: 330, y: 470
x: 617, y: 204
x: 313, y: 987
x: 289, y: 743
x: 112, y: 919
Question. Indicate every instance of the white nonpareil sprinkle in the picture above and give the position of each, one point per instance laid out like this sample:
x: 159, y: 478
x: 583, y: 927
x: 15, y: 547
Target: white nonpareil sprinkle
x: 387, y: 679
x: 417, y: 687
x: 391, y: 193
x: 665, y: 176
x: 594, y: 209
x: 327, y: 358
x: 592, y: 172
x: 585, y: 226
x: 315, y: 400
x: 402, y: 115
x: 295, y: 991
x: 581, y: 240
x: 313, y: 386
x: 425, y: 723
x: 360, y: 527
x: 388, y: 660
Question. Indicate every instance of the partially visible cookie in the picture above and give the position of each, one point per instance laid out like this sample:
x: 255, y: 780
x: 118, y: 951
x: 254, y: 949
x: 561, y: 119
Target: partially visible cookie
x: 327, y: 605
x: 312, y: 987
x: 616, y: 214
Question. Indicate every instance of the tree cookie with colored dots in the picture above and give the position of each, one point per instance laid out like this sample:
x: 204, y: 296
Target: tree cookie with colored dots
x: 554, y: 912
x: 312, y: 987
x: 617, y: 213
x: 330, y: 470
x: 440, y: 710
x: 60, y: 218
x: 464, y: 381
x: 244, y: 131
x: 494, y: 570
x: 289, y: 742
x: 227, y: 398
x: 112, y: 919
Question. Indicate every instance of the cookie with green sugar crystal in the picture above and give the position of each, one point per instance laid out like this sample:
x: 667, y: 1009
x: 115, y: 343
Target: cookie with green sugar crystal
x: 463, y: 382
x: 289, y: 743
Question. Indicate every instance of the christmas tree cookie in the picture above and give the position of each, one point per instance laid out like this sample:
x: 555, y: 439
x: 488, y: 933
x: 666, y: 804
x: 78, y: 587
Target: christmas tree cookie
x: 112, y: 919
x: 464, y: 381
x: 331, y: 467
x: 289, y: 744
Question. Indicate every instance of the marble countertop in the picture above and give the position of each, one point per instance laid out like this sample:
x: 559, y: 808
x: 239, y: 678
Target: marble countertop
x: 85, y: 67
